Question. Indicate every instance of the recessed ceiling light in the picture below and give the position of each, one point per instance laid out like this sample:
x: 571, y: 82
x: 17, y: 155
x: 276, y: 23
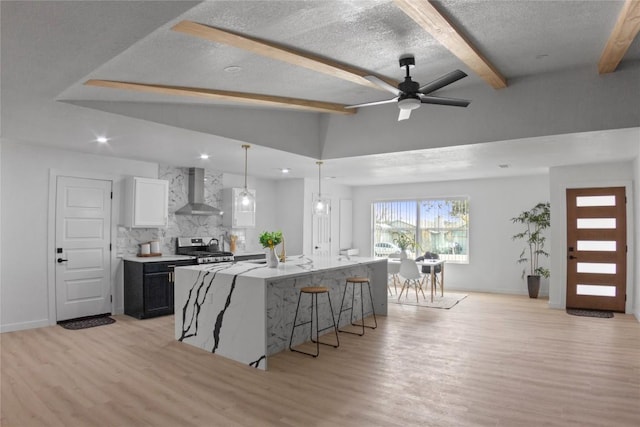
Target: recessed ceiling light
x: 503, y: 166
x: 204, y: 156
x: 233, y: 69
x: 285, y: 170
x: 102, y: 139
x: 542, y: 56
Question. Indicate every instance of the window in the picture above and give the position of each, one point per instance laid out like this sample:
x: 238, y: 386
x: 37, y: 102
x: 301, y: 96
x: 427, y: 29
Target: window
x: 440, y: 226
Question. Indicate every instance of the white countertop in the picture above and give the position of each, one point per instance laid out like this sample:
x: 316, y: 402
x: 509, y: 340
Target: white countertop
x: 162, y: 258
x: 294, y: 266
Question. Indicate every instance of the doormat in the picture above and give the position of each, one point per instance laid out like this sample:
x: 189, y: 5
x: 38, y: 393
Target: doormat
x: 590, y: 313
x: 87, y: 322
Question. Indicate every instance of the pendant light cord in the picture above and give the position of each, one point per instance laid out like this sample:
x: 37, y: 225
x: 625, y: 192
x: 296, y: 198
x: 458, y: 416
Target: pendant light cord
x: 319, y: 180
x: 246, y: 151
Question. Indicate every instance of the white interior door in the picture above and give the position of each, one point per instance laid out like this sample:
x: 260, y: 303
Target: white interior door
x: 321, y: 239
x: 83, y: 238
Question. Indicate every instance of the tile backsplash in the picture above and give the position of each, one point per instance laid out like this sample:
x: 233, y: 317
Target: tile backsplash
x: 180, y: 225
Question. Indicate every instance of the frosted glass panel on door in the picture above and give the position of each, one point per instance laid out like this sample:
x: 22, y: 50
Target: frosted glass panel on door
x: 595, y: 201
x: 597, y: 245
x: 597, y: 267
x: 596, y: 290
x: 609, y: 223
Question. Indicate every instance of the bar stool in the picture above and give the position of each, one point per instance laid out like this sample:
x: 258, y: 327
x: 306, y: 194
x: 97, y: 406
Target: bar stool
x: 314, y: 291
x: 353, y: 281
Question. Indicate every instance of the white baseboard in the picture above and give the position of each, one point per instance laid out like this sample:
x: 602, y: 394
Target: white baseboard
x: 543, y: 294
x: 11, y: 327
x: 637, y: 314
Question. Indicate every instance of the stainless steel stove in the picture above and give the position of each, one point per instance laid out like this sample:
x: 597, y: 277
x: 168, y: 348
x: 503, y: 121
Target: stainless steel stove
x: 204, y: 249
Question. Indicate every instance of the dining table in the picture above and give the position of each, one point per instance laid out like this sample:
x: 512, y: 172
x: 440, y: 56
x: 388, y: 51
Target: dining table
x: 393, y: 268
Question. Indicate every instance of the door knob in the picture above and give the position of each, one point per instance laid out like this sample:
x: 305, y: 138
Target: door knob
x: 572, y: 257
x: 62, y: 260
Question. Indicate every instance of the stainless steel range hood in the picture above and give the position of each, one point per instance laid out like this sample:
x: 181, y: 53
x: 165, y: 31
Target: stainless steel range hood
x: 196, y: 205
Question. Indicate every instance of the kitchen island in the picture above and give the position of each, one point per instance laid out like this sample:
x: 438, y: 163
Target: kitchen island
x: 244, y: 310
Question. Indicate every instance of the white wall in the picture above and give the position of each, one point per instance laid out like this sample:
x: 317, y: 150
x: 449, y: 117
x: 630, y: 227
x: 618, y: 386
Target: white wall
x: 290, y: 209
x: 575, y: 100
x: 492, y: 203
x: 25, y: 205
x: 593, y: 175
x: 285, y: 205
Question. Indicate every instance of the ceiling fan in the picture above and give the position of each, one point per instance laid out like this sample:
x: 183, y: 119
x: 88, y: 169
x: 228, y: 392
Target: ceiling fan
x: 409, y: 94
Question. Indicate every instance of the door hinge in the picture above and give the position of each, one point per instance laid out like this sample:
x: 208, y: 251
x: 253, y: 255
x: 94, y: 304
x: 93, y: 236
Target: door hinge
x: 111, y: 298
x: 109, y: 247
x: 112, y: 195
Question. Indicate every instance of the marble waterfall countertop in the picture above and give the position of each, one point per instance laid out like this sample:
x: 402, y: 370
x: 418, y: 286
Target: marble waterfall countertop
x: 245, y: 310
x: 293, y: 266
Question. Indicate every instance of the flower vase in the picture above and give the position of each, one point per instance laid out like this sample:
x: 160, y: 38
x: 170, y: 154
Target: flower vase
x: 403, y: 254
x: 272, y: 258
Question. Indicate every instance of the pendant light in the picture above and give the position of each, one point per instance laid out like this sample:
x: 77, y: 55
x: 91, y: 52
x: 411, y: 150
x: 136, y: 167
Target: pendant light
x: 245, y: 201
x: 320, y: 204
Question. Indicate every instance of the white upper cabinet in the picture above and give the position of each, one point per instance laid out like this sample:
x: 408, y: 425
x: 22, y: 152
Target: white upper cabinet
x: 146, y: 202
x: 232, y: 216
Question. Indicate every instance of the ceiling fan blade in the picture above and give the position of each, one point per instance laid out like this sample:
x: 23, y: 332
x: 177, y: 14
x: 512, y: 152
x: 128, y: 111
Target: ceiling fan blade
x: 443, y: 81
x: 384, y: 85
x: 404, y: 114
x: 280, y: 52
x: 250, y: 98
x: 426, y: 99
x: 368, y: 104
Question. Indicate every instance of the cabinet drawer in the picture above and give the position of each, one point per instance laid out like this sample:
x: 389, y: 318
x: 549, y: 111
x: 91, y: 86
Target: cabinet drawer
x: 157, y: 267
x: 164, y: 266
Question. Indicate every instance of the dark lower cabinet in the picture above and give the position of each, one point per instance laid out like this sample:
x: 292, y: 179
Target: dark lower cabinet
x: 148, y: 287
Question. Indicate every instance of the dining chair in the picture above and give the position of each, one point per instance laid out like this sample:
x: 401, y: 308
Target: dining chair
x: 393, y: 274
x: 412, y: 277
x: 426, y: 269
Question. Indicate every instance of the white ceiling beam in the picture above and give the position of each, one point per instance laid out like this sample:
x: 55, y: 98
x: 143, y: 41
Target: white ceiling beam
x: 623, y: 34
x: 428, y: 17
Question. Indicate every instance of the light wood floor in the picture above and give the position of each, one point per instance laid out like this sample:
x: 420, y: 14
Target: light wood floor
x: 492, y: 360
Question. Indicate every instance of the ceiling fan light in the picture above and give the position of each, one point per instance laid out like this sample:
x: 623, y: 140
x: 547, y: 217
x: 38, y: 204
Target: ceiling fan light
x: 409, y: 103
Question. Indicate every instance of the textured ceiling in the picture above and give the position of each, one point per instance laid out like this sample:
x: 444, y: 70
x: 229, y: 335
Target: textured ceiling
x: 49, y: 49
x: 520, y: 37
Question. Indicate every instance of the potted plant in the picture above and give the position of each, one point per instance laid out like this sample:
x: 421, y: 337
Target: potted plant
x: 535, y: 220
x: 404, y: 242
x: 269, y: 239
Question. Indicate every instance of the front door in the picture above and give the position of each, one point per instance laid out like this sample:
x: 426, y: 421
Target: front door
x: 596, y: 248
x: 82, y: 255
